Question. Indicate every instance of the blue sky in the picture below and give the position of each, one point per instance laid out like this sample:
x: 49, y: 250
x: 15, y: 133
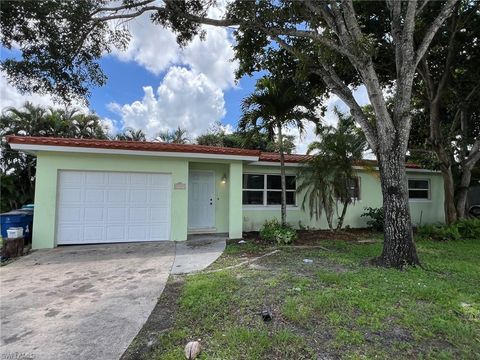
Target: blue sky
x: 155, y: 85
x: 127, y: 79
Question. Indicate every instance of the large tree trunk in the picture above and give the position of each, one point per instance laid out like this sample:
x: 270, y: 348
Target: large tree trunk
x: 462, y: 193
x: 282, y: 176
x: 398, y: 247
x: 449, y: 194
x: 436, y: 140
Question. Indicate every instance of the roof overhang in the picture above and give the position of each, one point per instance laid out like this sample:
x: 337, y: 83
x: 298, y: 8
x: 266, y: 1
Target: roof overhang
x: 275, y: 163
x: 35, y: 148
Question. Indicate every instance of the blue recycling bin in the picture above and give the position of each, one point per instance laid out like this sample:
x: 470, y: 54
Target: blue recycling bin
x: 17, y: 218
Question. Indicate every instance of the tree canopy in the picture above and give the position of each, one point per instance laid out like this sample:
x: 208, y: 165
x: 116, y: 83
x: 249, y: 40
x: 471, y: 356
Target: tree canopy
x: 344, y: 43
x: 18, y: 168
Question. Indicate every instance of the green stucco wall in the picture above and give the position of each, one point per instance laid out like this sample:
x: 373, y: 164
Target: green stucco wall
x: 48, y: 165
x: 235, y: 200
x: 230, y: 215
x: 424, y: 211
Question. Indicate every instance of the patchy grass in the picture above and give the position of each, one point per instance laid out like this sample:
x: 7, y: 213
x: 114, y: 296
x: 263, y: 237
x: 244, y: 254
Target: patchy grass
x: 334, y: 307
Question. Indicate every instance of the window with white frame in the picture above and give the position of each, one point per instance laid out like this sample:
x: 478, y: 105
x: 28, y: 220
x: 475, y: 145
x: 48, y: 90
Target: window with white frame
x: 419, y: 189
x: 266, y: 189
x: 353, y: 188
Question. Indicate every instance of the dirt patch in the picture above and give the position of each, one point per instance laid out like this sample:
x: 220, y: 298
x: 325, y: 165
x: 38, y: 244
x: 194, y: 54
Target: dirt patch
x: 160, y: 320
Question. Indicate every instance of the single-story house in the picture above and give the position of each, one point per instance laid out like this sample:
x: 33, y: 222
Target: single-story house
x: 100, y: 191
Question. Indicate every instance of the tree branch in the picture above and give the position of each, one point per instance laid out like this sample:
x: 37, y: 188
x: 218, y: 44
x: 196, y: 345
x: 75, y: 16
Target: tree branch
x: 338, y: 87
x: 448, y: 62
x: 307, y: 34
x: 194, y: 18
x: 424, y: 72
x: 474, y: 155
x: 432, y: 30
x: 425, y: 2
x: 122, y: 7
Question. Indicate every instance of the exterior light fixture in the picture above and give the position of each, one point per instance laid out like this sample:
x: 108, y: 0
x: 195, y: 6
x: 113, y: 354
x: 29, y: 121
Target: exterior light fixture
x: 224, y: 179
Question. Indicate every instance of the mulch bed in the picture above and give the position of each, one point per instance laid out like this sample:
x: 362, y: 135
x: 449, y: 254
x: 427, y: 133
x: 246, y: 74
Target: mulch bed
x: 312, y: 237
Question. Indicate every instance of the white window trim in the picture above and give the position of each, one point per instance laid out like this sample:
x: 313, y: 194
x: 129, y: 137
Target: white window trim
x: 265, y: 190
x: 355, y: 199
x: 429, y: 189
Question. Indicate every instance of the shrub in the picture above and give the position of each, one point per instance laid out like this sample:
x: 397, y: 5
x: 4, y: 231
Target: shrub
x: 376, y: 218
x: 273, y: 231
x: 461, y: 230
x: 469, y: 228
x: 438, y: 232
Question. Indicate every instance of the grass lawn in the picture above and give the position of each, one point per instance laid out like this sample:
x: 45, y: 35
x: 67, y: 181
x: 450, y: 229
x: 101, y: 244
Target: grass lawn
x: 332, y: 308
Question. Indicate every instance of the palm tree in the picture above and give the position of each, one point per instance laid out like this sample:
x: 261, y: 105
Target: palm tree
x: 274, y: 105
x: 18, y: 169
x: 178, y: 136
x: 329, y: 176
x: 130, y: 134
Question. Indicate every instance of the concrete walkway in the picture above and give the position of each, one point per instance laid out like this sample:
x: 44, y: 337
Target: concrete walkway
x: 80, y: 302
x: 197, y: 253
x: 90, y: 301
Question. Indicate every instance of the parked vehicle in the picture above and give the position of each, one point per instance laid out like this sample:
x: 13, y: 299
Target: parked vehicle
x: 474, y: 211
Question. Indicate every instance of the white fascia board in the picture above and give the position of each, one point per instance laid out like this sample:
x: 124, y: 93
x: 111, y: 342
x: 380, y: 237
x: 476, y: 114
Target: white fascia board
x: 271, y: 163
x: 85, y: 150
x: 406, y: 169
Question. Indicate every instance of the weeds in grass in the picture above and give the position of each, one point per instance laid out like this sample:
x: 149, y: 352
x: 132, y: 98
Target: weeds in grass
x: 335, y: 306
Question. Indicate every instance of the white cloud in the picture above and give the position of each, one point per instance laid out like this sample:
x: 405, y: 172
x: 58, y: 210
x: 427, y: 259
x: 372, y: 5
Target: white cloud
x: 151, y: 46
x: 156, y: 49
x: 109, y: 126
x: 302, y: 142
x: 184, y: 98
x: 191, y: 92
x: 213, y: 57
x: 11, y: 97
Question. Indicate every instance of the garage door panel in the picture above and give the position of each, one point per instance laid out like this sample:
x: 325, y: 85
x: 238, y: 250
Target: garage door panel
x: 71, y: 234
x: 96, y: 207
x: 115, y: 233
x: 116, y: 214
x: 72, y: 178
x: 95, y: 195
x: 158, y: 232
x: 139, y: 233
x: 138, y: 179
x: 93, y: 214
x: 159, y: 197
x: 94, y: 233
x: 93, y: 178
x: 159, y: 214
x: 137, y: 214
x: 71, y: 215
x: 117, y: 179
x: 71, y: 195
x: 159, y: 182
x: 116, y: 196
x: 138, y: 196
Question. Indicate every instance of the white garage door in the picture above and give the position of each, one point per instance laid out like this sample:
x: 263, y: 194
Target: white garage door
x: 106, y: 207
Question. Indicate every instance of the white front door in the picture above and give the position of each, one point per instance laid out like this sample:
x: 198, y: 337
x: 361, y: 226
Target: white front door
x: 108, y: 207
x: 201, y: 200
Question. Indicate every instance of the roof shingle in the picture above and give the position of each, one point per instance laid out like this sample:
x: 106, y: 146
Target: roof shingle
x: 167, y: 147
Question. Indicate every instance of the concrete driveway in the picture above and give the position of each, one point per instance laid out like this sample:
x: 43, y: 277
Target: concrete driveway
x: 81, y: 302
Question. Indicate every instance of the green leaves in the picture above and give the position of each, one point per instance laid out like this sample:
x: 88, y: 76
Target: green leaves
x: 327, y: 177
x: 18, y: 169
